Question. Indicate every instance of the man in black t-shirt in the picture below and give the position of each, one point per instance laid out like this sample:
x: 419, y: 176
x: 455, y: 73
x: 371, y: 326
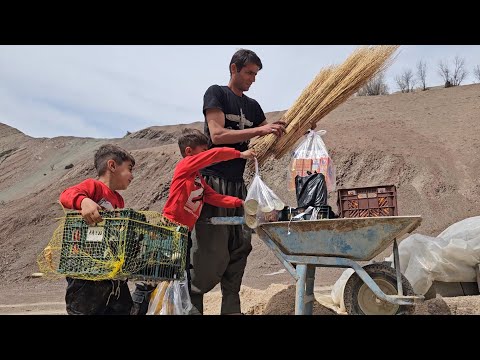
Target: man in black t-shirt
x: 219, y: 253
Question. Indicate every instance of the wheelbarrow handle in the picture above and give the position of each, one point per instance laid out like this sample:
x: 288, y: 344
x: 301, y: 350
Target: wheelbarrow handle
x: 224, y: 220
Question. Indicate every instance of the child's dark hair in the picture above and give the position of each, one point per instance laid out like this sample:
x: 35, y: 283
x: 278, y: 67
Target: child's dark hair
x: 111, y: 152
x: 192, y: 138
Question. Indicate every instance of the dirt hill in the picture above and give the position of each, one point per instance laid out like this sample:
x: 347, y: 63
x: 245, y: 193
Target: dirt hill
x: 426, y: 143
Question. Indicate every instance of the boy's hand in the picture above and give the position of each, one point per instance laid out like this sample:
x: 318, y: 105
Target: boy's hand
x: 247, y: 154
x: 90, y: 211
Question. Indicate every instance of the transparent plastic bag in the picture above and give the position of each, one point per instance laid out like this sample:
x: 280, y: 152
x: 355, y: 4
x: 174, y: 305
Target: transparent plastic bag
x: 182, y: 288
x: 156, y: 298
x: 310, y: 157
x: 261, y: 203
x: 172, y: 304
x: 170, y: 298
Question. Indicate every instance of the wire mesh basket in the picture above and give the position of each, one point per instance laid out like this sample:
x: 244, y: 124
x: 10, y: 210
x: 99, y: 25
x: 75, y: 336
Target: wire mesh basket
x: 126, y: 244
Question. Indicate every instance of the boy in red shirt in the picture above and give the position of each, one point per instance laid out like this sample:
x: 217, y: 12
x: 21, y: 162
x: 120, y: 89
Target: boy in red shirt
x: 188, y: 190
x: 188, y: 193
x: 114, y: 167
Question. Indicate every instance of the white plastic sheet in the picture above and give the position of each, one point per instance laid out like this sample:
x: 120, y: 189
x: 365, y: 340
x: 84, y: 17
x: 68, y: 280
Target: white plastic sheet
x: 338, y: 288
x: 449, y: 257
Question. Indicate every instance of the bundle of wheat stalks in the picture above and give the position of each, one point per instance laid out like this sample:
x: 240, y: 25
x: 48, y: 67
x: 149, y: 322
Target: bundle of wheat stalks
x: 330, y: 88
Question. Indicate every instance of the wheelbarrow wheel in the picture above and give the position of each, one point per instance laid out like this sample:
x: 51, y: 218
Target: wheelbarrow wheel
x: 360, y: 300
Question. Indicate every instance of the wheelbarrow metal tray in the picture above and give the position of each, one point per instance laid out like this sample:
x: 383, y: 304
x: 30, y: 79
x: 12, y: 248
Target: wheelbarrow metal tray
x: 353, y: 238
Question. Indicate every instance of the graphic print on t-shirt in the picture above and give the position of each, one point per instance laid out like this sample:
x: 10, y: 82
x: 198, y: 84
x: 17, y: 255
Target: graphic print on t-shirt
x: 195, y: 198
x: 240, y: 119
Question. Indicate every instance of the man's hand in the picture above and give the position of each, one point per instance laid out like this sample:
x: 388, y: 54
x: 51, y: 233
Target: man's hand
x: 90, y: 211
x: 248, y: 154
x: 277, y: 128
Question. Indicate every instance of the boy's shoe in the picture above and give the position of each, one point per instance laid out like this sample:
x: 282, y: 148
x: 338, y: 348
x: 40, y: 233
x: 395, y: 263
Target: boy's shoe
x: 141, y: 298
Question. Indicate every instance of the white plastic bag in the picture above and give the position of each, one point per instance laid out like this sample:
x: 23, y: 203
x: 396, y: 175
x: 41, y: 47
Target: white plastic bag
x: 170, y: 298
x: 185, y: 300
x: 312, y: 156
x: 261, y: 202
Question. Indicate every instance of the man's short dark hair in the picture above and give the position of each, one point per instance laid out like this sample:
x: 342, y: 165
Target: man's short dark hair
x: 111, y: 152
x: 243, y: 57
x: 192, y: 138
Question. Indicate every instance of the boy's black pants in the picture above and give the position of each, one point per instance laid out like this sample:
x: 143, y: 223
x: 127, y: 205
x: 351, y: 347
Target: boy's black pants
x: 105, y: 297
x: 219, y: 252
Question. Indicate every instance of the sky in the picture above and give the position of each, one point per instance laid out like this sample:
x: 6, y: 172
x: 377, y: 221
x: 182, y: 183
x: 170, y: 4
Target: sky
x: 104, y: 91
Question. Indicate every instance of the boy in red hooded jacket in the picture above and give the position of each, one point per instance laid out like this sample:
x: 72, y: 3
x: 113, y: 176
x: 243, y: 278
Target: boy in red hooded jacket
x: 188, y: 190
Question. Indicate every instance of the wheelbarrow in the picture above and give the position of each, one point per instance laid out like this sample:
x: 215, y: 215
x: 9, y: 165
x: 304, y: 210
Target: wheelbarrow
x: 301, y: 246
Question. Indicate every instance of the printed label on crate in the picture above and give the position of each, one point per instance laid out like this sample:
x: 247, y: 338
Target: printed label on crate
x: 76, y: 235
x: 95, y: 233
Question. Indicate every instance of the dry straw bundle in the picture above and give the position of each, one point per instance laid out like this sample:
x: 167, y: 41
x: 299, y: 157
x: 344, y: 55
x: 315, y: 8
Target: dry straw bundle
x: 330, y: 88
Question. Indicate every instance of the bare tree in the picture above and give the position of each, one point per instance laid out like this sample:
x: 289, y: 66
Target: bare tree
x: 405, y: 81
x: 444, y: 72
x: 459, y: 72
x: 422, y: 74
x: 374, y: 86
x: 476, y: 72
x: 400, y: 83
x: 455, y: 77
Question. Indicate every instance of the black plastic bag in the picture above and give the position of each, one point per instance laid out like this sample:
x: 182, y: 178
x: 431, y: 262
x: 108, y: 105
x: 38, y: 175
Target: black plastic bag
x: 311, y: 190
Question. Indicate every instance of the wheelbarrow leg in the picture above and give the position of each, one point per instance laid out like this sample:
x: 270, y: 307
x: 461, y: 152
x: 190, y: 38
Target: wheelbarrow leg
x: 300, y: 289
x: 396, y: 262
x: 309, y: 298
x: 304, y: 292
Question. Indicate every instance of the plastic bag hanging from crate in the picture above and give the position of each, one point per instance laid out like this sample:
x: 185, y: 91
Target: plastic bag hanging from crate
x: 312, y: 156
x: 261, y: 202
x: 177, y: 299
x: 170, y: 298
x: 156, y: 298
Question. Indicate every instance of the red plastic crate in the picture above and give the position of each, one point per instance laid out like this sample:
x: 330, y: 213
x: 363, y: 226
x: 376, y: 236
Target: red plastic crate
x: 370, y: 201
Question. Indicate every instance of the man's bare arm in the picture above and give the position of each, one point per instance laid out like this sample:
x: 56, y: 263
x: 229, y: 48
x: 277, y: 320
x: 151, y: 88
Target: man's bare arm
x: 220, y: 135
